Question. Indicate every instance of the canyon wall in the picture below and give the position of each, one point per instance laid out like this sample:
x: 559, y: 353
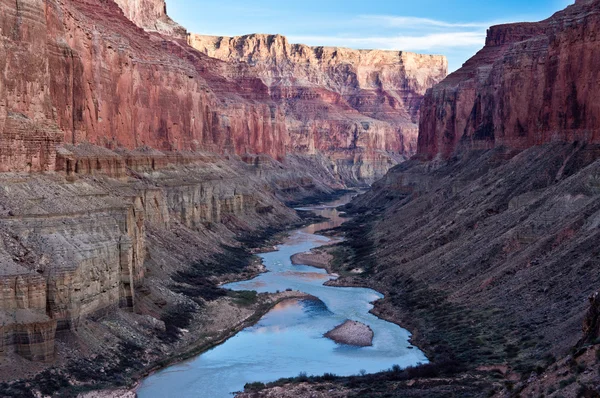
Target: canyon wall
x: 86, y: 95
x: 80, y: 71
x: 357, y: 106
x: 532, y: 83
x: 74, y: 245
x: 151, y: 15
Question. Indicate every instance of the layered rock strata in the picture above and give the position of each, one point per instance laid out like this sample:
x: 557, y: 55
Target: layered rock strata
x: 75, y: 244
x: 93, y: 76
x: 142, y: 137
x: 24, y: 324
x: 531, y: 84
x: 359, y: 107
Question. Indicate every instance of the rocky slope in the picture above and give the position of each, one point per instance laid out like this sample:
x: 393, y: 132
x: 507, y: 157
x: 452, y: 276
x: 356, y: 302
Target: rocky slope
x: 532, y: 83
x: 358, y: 107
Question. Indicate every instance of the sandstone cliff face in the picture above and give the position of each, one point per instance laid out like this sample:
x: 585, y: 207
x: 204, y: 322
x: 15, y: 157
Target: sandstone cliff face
x: 532, y: 83
x: 24, y: 324
x: 80, y: 71
x: 359, y: 107
x: 74, y: 245
x: 151, y: 15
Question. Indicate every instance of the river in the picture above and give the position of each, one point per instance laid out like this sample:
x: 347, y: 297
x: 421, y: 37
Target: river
x: 289, y: 339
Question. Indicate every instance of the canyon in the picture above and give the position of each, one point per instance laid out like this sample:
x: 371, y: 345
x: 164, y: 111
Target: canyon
x: 357, y: 106
x: 139, y: 170
x: 141, y: 166
x: 485, y: 243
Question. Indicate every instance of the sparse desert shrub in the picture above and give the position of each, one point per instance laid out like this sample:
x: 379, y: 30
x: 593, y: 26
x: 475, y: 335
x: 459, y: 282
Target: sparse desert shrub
x: 567, y: 382
x: 256, y: 386
x: 176, y: 318
x: 244, y: 298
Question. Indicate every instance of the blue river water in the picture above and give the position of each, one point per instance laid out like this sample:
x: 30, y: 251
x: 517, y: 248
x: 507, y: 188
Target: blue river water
x: 289, y: 339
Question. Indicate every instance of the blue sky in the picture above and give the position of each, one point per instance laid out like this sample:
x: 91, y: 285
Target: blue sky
x: 455, y: 28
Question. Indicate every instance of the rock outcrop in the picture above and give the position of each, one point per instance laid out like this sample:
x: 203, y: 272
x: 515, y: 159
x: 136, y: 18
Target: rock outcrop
x: 151, y: 15
x: 352, y: 333
x: 24, y: 323
x: 531, y: 84
x: 591, y: 323
x: 359, y: 107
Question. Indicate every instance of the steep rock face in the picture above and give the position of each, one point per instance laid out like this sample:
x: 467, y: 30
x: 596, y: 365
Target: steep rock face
x: 80, y: 71
x: 360, y: 107
x: 151, y: 15
x: 532, y: 83
x: 24, y: 325
x: 88, y: 244
x: 28, y: 132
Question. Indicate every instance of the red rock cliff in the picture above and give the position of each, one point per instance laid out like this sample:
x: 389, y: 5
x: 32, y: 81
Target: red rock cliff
x: 79, y: 71
x: 532, y: 83
x: 151, y: 15
x: 338, y: 101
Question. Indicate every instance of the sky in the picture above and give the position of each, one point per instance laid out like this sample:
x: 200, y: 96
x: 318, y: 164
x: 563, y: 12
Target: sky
x: 455, y: 28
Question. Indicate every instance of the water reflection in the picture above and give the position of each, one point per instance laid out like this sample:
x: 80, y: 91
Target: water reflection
x: 289, y: 339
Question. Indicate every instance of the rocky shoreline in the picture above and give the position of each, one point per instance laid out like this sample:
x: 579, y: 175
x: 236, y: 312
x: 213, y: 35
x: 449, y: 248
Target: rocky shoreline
x: 267, y: 301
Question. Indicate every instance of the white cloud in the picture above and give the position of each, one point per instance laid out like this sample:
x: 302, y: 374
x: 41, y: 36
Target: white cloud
x: 415, y: 22
x: 426, y: 42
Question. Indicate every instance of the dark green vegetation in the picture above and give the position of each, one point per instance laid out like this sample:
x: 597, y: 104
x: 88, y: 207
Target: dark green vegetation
x: 200, y: 281
x: 175, y: 318
x: 433, y: 381
x: 319, y: 198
